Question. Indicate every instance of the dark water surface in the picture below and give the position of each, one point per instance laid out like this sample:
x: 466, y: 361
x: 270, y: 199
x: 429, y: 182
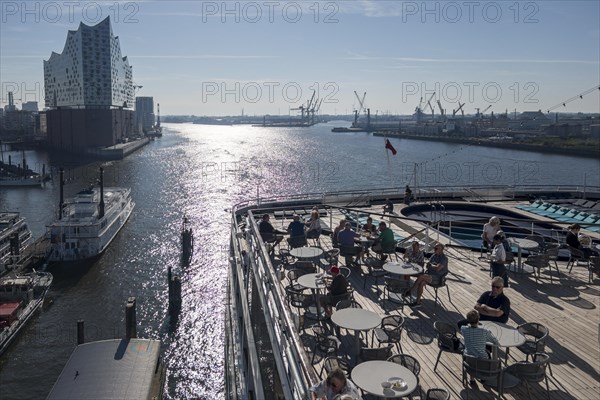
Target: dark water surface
x: 201, y: 171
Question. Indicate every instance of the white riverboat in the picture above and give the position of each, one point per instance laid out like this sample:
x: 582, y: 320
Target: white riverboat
x: 20, y: 297
x: 15, y: 236
x: 88, y: 223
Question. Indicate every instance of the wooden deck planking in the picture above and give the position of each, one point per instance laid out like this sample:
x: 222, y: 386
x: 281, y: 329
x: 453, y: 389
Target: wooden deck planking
x: 569, y: 309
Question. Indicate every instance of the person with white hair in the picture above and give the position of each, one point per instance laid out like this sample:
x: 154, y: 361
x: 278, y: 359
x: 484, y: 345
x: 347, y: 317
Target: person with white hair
x: 334, y: 387
x: 492, y: 305
x: 490, y: 229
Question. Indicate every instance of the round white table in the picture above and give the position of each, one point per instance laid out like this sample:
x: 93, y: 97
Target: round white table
x: 521, y: 244
x: 315, y: 282
x: 356, y: 319
x: 306, y: 252
x: 506, y: 335
x: 369, y: 375
x: 312, y: 281
x: 402, y: 268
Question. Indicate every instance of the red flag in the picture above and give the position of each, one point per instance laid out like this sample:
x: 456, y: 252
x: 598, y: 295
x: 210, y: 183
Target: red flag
x: 389, y: 146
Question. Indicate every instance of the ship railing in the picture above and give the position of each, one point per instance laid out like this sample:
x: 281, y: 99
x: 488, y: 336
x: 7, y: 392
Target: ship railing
x: 430, y: 193
x: 243, y: 373
x: 294, y: 371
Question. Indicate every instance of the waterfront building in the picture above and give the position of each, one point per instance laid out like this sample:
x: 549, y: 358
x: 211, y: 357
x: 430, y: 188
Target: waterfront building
x: 30, y: 106
x: 144, y: 113
x: 88, y: 90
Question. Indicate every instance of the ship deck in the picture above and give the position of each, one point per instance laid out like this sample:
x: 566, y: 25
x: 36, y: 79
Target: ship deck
x: 568, y: 307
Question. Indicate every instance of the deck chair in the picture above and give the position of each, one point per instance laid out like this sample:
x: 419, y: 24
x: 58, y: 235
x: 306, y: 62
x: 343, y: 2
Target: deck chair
x: 531, y: 372
x: 447, y: 340
x: 375, y: 353
x: 440, y: 284
x: 539, y: 262
x: 577, y: 256
x: 488, y: 370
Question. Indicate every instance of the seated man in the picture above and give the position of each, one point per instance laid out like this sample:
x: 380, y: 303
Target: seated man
x: 268, y: 233
x: 336, y: 231
x: 296, y: 231
x: 437, y: 268
x: 492, y: 305
x: 296, y: 228
x: 347, y: 245
x: 385, y: 242
x: 337, y: 289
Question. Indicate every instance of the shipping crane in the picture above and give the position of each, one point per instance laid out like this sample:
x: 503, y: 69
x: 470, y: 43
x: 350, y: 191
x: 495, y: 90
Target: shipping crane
x: 460, y: 106
x: 429, y: 104
x: 361, y: 107
x: 480, y: 113
x: 439, y: 103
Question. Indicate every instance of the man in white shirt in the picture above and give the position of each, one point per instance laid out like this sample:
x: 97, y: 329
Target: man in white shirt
x: 498, y: 259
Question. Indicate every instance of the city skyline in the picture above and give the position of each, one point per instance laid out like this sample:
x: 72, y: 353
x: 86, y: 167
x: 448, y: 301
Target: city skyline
x: 219, y: 58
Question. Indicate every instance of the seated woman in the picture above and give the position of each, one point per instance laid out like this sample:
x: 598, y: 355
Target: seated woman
x: 476, y: 337
x: 337, y: 290
x: 314, y: 225
x: 369, y: 227
x: 573, y: 241
x: 414, y: 254
x: 334, y: 386
x: 505, y: 244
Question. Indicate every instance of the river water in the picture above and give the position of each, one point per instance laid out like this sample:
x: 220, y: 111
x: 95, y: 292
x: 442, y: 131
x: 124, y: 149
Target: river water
x: 201, y: 171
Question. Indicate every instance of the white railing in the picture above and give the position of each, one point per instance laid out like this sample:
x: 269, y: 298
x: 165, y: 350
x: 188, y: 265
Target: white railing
x: 294, y: 371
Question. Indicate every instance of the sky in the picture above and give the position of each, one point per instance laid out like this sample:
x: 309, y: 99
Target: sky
x: 268, y: 57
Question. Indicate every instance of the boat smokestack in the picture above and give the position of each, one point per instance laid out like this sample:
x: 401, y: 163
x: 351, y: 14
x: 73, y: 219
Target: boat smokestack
x: 61, y: 203
x: 101, y: 204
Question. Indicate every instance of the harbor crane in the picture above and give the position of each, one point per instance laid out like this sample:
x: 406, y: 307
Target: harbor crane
x: 361, y: 101
x: 460, y: 106
x: 480, y: 114
x: 418, y: 109
x: 361, y: 106
x: 429, y: 104
x: 439, y: 103
x: 316, y: 109
x: 301, y: 108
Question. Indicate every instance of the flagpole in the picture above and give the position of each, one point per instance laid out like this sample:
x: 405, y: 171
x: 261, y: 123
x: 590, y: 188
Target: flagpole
x: 385, y: 141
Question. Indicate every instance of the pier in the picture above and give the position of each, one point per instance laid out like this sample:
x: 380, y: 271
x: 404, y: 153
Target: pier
x: 119, y: 151
x: 33, y: 257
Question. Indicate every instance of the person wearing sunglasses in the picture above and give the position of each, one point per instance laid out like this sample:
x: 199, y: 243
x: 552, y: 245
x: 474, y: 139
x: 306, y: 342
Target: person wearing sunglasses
x: 435, y: 269
x: 335, y: 386
x: 492, y: 305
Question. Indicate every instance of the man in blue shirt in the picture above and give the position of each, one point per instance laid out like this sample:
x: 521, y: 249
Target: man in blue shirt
x: 346, y: 242
x: 296, y: 228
